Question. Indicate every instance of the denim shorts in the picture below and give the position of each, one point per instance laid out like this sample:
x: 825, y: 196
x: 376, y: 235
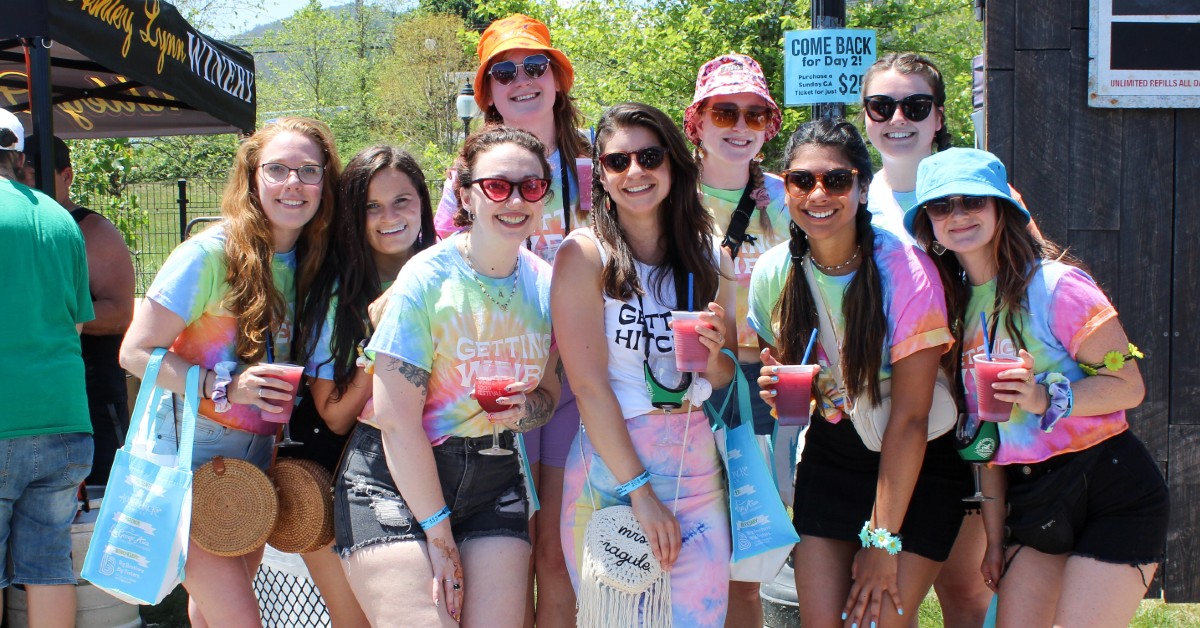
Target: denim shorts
x: 1125, y: 510
x: 486, y: 494
x: 213, y: 439
x: 39, y: 478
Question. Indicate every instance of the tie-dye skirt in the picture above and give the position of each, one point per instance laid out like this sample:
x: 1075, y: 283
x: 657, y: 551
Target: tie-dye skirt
x: 700, y: 576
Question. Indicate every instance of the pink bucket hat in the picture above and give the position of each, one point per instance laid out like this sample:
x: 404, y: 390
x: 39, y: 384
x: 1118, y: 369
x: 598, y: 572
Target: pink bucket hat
x: 729, y: 74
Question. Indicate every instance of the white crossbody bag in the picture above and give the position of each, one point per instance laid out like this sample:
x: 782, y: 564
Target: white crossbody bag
x: 871, y: 421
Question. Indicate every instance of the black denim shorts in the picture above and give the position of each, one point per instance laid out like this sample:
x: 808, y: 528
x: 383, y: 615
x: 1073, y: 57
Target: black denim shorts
x: 1118, y: 511
x: 835, y: 490
x: 486, y: 494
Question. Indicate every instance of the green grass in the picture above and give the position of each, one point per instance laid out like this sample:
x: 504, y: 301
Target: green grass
x: 1151, y: 614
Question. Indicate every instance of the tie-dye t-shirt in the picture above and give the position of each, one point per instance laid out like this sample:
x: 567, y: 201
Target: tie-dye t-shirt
x: 549, y: 236
x: 191, y: 283
x: 913, y: 299
x: 721, y: 204
x: 1064, y: 307
x: 440, y: 320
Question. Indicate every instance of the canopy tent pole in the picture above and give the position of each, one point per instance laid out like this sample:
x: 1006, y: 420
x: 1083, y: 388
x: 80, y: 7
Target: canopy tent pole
x: 37, y: 68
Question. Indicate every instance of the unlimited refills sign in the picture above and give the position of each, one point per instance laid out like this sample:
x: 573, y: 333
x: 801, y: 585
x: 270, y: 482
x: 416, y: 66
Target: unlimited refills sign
x: 826, y: 65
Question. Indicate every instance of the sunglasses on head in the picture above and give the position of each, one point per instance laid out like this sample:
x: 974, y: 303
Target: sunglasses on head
x: 800, y: 183
x: 310, y: 174
x: 916, y: 107
x: 505, y: 72
x: 725, y: 116
x: 648, y: 158
x: 500, y: 190
x: 941, y: 208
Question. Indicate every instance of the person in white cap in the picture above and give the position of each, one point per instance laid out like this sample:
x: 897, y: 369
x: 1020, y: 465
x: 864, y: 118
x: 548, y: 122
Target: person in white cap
x: 45, y: 429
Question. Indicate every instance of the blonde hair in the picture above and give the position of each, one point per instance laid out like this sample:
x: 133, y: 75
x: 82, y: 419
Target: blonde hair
x: 249, y: 246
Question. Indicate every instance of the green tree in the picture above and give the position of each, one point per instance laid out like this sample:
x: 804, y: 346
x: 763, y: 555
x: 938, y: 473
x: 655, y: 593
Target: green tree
x: 102, y: 183
x: 419, y: 81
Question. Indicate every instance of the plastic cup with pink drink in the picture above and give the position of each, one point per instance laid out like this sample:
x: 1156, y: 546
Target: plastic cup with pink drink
x: 292, y: 374
x: 987, y: 372
x: 793, y: 392
x: 691, y: 356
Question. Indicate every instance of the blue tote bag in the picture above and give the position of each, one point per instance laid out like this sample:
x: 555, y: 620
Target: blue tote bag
x: 763, y: 534
x: 139, y: 546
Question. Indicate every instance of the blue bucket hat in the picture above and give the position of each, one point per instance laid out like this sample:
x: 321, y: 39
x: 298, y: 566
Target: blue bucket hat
x: 961, y: 171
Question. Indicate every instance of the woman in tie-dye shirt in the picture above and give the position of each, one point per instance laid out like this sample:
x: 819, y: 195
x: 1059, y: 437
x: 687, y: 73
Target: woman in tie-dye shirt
x: 524, y: 82
x: 889, y: 320
x: 1085, y: 554
x: 224, y: 300
x: 430, y: 530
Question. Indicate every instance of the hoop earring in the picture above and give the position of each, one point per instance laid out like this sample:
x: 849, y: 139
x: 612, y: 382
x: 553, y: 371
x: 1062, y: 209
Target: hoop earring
x: 938, y: 248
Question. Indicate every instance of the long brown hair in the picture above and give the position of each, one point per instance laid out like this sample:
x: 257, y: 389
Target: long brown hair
x: 1017, y: 254
x: 863, y: 308
x: 685, y: 227
x: 249, y: 247
x: 350, y: 273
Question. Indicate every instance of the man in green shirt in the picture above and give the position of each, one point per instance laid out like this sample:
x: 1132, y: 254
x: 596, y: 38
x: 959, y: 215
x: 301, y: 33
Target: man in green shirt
x: 45, y: 430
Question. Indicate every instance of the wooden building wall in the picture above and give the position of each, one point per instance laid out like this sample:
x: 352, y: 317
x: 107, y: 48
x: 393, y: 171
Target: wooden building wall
x: 1121, y: 187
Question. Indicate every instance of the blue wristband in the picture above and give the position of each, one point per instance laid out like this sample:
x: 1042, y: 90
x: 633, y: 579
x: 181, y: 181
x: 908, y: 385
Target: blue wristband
x: 625, y: 489
x: 436, y: 518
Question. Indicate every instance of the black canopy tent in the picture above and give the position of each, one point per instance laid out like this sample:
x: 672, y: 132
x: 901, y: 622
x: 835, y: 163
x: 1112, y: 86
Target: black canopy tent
x: 118, y: 68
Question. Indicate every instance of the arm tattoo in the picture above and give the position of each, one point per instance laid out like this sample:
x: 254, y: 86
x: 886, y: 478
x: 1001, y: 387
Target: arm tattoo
x: 415, y: 375
x: 559, y: 371
x: 538, y: 410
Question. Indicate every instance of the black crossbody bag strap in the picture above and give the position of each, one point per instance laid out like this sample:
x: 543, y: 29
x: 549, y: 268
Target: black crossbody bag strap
x: 735, y: 235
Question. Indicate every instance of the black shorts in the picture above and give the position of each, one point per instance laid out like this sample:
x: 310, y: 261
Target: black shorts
x: 835, y: 490
x: 486, y: 494
x: 1124, y: 512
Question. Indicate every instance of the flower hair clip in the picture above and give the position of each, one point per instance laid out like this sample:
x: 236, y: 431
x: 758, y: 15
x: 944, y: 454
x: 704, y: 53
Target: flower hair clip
x: 1113, y: 360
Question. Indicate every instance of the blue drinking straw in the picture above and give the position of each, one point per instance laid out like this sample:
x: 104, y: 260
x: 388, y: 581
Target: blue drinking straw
x: 808, y: 350
x: 690, y: 279
x: 987, y: 342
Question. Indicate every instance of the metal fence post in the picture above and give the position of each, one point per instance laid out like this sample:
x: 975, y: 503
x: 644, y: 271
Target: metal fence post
x: 183, y: 201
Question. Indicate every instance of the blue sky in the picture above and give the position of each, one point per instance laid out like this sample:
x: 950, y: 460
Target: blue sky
x: 273, y: 10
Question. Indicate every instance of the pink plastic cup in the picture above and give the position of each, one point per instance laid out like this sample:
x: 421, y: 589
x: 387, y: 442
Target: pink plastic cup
x: 292, y: 375
x: 690, y: 355
x: 987, y: 372
x: 793, y: 393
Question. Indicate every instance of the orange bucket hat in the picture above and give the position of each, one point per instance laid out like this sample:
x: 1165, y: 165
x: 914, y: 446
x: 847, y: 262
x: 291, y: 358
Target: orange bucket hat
x: 517, y: 32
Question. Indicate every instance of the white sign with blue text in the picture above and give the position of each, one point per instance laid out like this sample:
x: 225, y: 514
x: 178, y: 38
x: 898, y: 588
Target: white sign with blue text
x: 826, y: 65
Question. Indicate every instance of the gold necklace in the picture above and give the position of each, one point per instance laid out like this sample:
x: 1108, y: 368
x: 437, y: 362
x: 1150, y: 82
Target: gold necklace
x: 838, y: 267
x: 516, y: 273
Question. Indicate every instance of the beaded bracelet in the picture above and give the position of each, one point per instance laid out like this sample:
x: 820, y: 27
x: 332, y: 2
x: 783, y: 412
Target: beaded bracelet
x: 633, y: 485
x: 436, y: 518
x: 879, y: 538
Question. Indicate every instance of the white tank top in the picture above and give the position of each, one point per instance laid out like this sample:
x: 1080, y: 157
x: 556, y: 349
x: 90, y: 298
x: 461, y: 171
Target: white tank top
x: 628, y: 327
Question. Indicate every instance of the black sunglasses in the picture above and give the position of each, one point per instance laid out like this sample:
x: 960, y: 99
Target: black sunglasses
x: 800, y: 183
x: 505, y: 72
x: 916, y: 107
x: 941, y: 208
x: 499, y: 190
x: 648, y: 158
